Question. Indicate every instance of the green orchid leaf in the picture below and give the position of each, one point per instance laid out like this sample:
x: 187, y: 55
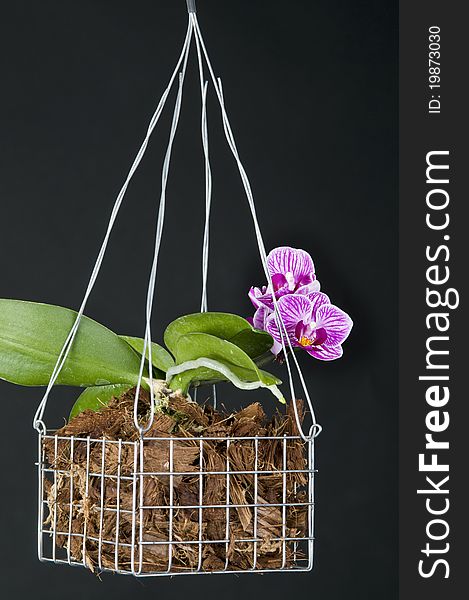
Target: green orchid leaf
x: 196, y: 371
x: 94, y: 398
x: 32, y: 336
x: 264, y: 359
x: 202, y: 357
x: 161, y: 359
x: 195, y: 345
x: 205, y: 376
x: 254, y: 342
x: 200, y: 376
x: 221, y: 325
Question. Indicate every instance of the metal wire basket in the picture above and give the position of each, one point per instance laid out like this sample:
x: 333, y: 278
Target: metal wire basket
x: 94, y: 512
x: 278, y: 526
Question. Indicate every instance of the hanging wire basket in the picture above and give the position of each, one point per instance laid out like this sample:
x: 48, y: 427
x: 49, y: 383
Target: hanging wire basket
x: 94, y: 504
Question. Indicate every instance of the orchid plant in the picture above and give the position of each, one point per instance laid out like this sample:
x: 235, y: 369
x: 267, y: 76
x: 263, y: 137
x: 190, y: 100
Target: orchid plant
x: 200, y: 348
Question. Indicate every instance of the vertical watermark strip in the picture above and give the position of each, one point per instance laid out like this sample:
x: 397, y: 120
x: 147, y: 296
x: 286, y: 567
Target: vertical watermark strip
x: 434, y: 404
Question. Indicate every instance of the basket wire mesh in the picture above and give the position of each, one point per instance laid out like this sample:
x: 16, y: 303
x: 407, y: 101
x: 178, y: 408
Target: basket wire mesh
x: 122, y: 485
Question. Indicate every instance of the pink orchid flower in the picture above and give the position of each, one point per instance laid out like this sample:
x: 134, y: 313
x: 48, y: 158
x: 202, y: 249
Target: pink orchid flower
x: 311, y: 323
x: 291, y: 271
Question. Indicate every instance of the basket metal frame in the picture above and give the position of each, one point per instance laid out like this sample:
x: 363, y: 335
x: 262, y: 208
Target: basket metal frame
x: 303, y: 545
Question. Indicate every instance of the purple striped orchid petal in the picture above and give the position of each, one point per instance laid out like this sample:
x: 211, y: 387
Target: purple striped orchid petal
x: 261, y: 297
x: 260, y: 317
x: 312, y: 323
x: 259, y: 321
x: 325, y: 352
x: 255, y: 294
x: 291, y: 271
x: 317, y: 300
x: 290, y: 268
x: 293, y: 309
x: 314, y: 286
x: 336, y: 323
x: 276, y: 348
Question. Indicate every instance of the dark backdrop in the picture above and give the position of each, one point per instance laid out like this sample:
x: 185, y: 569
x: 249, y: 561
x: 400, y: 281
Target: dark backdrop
x: 311, y: 88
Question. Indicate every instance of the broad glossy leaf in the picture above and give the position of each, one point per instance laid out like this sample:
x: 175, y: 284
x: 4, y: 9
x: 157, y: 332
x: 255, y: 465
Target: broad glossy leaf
x: 254, y: 342
x: 222, y: 325
x: 201, y: 353
x: 94, y: 398
x: 31, y: 338
x: 195, y: 345
x: 204, y: 375
x: 264, y: 359
x: 192, y: 371
x: 161, y: 359
x: 200, y: 376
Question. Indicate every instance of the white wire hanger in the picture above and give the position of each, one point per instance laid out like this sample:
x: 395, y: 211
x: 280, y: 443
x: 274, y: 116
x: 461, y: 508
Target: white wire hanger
x: 179, y: 72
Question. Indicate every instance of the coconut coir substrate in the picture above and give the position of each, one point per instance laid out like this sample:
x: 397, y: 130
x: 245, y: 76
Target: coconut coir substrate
x: 94, y: 531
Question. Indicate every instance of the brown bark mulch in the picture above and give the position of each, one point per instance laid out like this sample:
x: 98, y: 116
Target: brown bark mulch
x: 75, y: 499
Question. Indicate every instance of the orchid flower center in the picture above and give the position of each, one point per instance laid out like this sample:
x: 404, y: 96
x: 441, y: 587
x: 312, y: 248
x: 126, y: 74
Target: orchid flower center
x: 305, y: 341
x: 305, y: 333
x: 309, y: 334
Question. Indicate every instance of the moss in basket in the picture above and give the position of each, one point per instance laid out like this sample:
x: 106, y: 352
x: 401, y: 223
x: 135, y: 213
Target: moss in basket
x: 185, y: 422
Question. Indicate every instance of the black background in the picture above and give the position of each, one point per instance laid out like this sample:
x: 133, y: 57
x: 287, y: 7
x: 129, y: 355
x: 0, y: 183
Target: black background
x: 311, y: 88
